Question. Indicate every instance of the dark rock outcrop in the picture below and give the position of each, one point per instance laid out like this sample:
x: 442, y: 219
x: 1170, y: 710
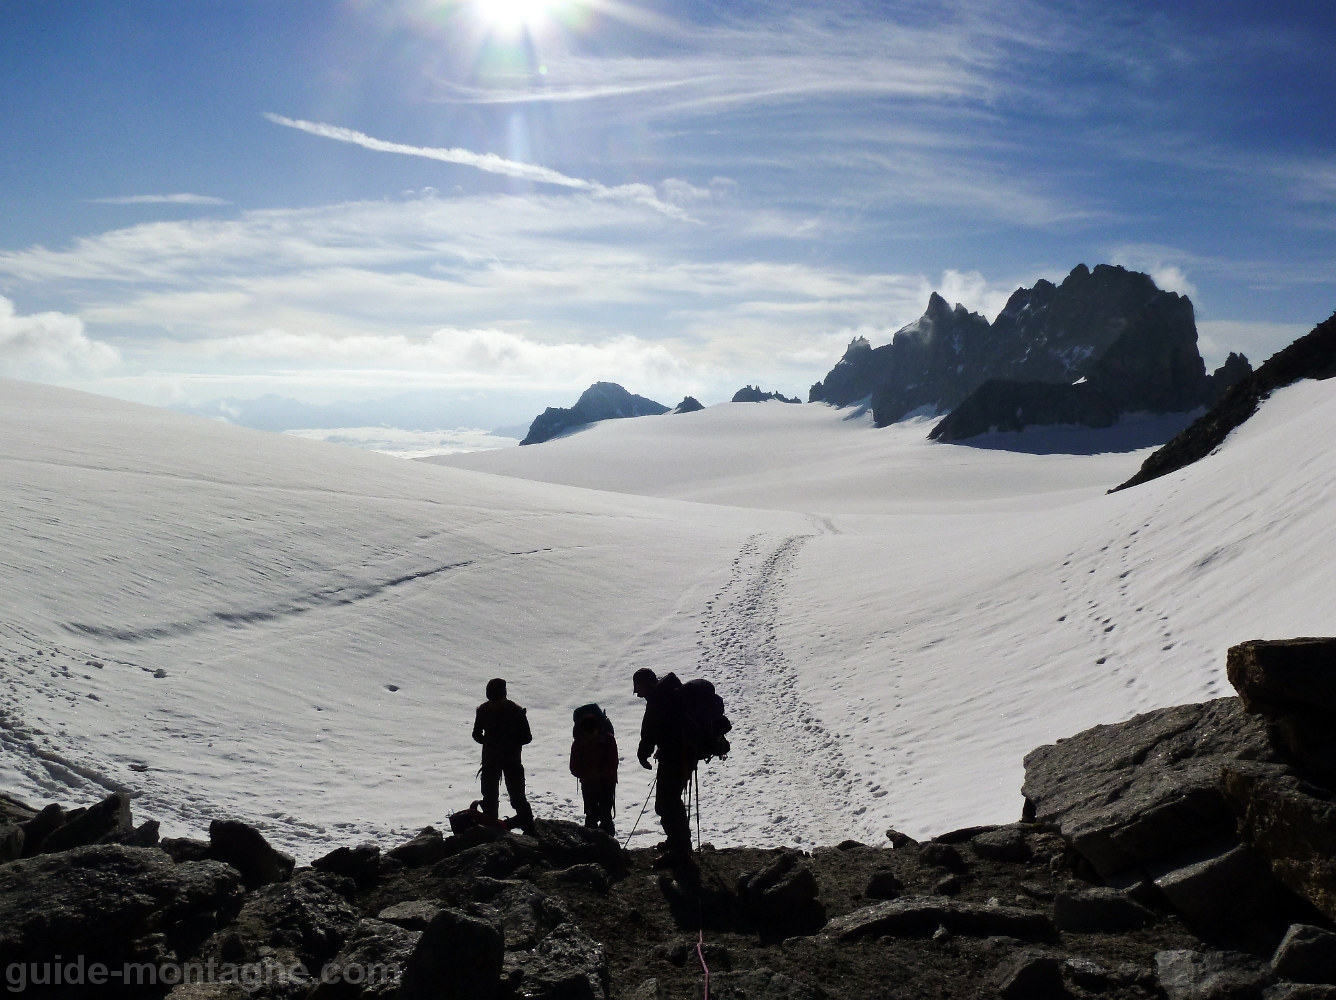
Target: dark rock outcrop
x: 1098, y: 911
x: 107, y: 902
x: 753, y: 394
x: 999, y: 405
x: 427, y: 848
x: 458, y: 957
x: 361, y: 863
x: 1306, y: 954
x: 79, y: 827
x: 783, y: 897
x: 689, y: 404
x: 1031, y: 975
x: 245, y: 849
x: 370, y: 963
x: 1311, y: 356
x: 305, y: 920
x: 1293, y: 826
x: 601, y: 401
x: 566, y: 963
x: 1283, y: 677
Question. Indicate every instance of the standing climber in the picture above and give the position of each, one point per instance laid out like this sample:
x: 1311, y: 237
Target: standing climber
x: 663, y: 727
x: 594, y: 762
x: 502, y: 727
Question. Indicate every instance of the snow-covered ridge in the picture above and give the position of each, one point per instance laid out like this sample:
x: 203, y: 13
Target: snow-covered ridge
x: 891, y: 621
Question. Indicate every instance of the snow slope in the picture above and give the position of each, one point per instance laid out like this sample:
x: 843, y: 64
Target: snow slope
x: 894, y: 623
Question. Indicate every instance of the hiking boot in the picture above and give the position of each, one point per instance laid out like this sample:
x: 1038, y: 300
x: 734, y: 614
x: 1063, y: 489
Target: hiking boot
x: 608, y: 828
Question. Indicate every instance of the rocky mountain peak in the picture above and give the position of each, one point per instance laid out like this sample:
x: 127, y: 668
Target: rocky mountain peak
x: 1107, y: 325
x: 601, y: 401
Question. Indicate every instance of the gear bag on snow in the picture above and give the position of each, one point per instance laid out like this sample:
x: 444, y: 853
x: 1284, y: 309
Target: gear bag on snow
x: 704, y: 724
x: 605, y: 724
x: 471, y: 817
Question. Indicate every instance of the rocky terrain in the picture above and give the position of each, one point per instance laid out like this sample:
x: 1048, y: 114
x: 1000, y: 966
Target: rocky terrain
x: 1126, y: 344
x: 753, y: 394
x: 1188, y: 853
x: 1311, y: 356
x: 601, y: 401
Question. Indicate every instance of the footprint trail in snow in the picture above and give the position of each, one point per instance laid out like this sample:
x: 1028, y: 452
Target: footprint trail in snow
x: 786, y: 767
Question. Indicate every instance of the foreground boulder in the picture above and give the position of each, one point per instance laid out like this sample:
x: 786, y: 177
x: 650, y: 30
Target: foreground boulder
x: 1127, y: 794
x: 108, y: 818
x: 458, y: 957
x: 110, y: 902
x: 305, y: 920
x: 1293, y: 826
x: 371, y: 963
x: 1193, y: 975
x: 782, y: 897
x: 1307, y: 954
x: 245, y: 849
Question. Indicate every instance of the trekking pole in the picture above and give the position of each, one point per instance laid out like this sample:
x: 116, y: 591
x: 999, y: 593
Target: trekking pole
x: 642, y: 812
x: 696, y: 774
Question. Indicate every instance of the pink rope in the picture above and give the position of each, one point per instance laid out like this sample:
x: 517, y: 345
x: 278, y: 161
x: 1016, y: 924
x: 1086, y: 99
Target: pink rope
x: 700, y: 953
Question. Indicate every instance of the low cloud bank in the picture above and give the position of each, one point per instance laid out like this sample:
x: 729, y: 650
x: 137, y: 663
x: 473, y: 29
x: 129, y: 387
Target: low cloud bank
x: 48, y: 345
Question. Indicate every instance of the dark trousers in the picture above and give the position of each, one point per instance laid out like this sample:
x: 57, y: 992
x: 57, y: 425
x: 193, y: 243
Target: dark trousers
x: 513, y: 771
x: 600, y: 798
x: 673, y: 777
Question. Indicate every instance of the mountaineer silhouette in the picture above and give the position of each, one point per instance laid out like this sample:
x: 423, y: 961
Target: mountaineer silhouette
x: 502, y: 727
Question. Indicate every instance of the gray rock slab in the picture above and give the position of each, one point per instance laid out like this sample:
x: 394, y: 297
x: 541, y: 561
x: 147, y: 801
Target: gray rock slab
x: 1195, y: 975
x: 920, y: 916
x: 413, y: 915
x: 1006, y: 843
x: 1132, y: 792
x: 1221, y: 883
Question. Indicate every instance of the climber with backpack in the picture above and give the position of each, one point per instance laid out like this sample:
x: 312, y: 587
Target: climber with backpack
x: 594, y: 762
x: 686, y: 724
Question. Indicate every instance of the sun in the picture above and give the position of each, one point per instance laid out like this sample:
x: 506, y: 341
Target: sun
x: 514, y: 14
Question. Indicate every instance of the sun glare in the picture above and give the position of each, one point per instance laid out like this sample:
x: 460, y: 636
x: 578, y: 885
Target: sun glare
x: 513, y: 14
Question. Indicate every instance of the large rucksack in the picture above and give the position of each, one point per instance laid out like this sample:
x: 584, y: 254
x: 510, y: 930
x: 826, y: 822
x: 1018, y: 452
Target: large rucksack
x: 704, y: 724
x: 591, y: 709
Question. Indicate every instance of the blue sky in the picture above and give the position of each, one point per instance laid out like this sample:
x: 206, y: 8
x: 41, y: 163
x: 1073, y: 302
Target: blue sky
x: 504, y: 201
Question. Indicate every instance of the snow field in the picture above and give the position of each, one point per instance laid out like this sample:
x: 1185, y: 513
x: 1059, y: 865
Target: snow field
x: 894, y: 623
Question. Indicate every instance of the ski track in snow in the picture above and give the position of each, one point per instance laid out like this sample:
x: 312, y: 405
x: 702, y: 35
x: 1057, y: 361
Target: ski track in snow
x: 785, y: 766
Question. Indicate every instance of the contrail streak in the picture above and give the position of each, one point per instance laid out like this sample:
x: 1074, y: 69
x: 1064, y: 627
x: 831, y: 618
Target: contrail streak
x: 487, y: 162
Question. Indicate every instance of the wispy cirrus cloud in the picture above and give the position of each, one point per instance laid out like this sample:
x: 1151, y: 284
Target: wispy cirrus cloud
x: 490, y: 163
x: 160, y: 199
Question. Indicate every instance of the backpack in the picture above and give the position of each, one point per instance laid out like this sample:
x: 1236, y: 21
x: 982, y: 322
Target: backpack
x: 471, y: 817
x: 591, y: 709
x: 704, y: 724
